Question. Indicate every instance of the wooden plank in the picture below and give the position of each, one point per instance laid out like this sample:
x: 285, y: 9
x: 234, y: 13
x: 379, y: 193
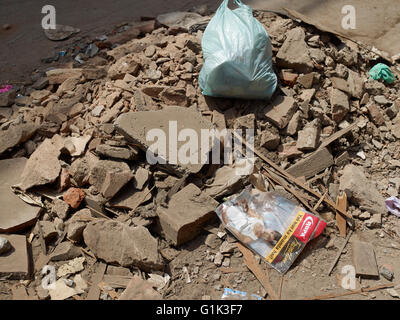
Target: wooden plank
x: 291, y: 178
x: 348, y: 293
x: 341, y: 202
x: 255, y: 268
x: 94, y: 291
x: 364, y: 260
x: 337, y: 135
x: 313, y: 164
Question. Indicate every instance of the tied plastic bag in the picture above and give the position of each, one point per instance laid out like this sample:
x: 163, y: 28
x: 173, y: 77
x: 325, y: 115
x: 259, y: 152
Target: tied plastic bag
x: 270, y: 225
x: 382, y: 71
x: 237, y: 56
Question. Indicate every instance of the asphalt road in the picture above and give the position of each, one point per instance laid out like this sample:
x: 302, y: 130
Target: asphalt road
x: 24, y: 45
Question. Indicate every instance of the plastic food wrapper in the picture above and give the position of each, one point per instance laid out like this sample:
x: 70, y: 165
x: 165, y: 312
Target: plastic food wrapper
x: 230, y: 294
x: 382, y: 71
x: 237, y: 56
x: 393, y: 205
x: 270, y: 225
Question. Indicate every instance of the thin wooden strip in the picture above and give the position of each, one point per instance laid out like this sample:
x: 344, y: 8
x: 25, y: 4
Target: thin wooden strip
x: 340, y: 253
x: 290, y: 177
x: 341, y: 202
x: 254, y: 267
x: 343, y: 294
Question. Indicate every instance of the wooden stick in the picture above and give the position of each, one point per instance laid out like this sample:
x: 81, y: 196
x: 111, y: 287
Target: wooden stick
x: 320, y: 200
x: 340, y: 252
x: 291, y: 178
x: 343, y: 294
x: 140, y: 202
x: 252, y: 264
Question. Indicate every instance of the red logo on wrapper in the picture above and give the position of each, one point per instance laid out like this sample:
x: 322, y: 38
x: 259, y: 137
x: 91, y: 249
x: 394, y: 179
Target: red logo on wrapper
x: 306, y: 227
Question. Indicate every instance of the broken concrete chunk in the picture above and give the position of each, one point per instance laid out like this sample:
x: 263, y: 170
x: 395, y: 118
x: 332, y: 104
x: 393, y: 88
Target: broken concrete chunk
x: 138, y: 127
x: 294, y: 53
x: 58, y: 76
x: 49, y: 231
x: 270, y: 140
x: 76, y: 146
x: 43, y: 166
x: 187, y: 212
x: 115, y: 242
x: 109, y: 177
x: 360, y: 190
x: 180, y: 19
x: 15, y: 265
x: 126, y: 64
x: 308, y: 138
x: 7, y: 98
x: 72, y: 267
x: 15, y: 135
x: 15, y: 214
x: 60, y: 208
x: 106, y: 150
x: 339, y: 104
x: 139, y: 289
x: 281, y: 111
x: 376, y: 114
x: 313, y: 164
x: 141, y: 177
x: 65, y: 251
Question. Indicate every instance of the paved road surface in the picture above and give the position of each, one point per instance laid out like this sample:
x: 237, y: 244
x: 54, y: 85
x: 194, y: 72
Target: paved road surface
x: 23, y: 46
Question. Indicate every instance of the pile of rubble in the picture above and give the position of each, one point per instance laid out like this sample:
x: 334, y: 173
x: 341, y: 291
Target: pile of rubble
x: 75, y: 176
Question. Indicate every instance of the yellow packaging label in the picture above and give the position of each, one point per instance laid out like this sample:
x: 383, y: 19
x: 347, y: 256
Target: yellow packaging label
x: 285, y: 238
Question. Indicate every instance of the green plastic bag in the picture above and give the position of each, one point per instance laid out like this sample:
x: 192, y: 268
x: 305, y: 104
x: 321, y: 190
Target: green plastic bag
x: 237, y: 56
x: 382, y: 71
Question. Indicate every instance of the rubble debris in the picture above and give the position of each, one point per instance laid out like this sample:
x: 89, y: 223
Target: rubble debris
x: 364, y: 260
x: 15, y: 265
x: 15, y: 214
x: 109, y: 177
x: 58, y: 76
x: 15, y: 135
x: 360, y: 190
x: 115, y: 242
x: 135, y: 127
x: 72, y: 267
x: 281, y: 111
x: 313, y: 164
x: 73, y: 197
x: 7, y: 96
x: 181, y: 19
x: 116, y: 152
x: 294, y: 53
x: 139, y: 289
x: 61, y: 32
x: 43, y: 166
x: 65, y: 251
x: 61, y: 291
x: 386, y: 272
x: 187, y: 212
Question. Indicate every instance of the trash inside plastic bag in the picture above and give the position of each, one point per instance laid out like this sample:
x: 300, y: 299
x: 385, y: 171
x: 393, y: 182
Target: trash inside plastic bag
x: 237, y: 56
x: 393, y: 205
x: 382, y: 71
x: 270, y: 225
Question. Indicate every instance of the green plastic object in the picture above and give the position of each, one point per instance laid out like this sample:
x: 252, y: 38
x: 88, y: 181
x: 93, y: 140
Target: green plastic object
x: 237, y: 56
x: 382, y: 71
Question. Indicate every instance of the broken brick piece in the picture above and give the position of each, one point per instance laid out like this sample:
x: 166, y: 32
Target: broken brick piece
x: 74, y: 197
